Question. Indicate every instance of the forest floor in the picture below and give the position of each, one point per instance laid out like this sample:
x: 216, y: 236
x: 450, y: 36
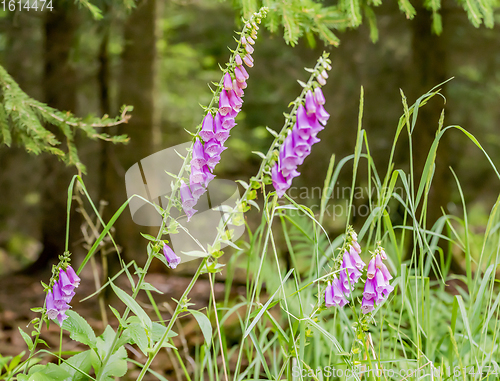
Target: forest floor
x: 20, y: 293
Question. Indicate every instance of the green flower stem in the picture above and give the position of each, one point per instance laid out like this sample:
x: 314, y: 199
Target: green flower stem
x: 180, y: 308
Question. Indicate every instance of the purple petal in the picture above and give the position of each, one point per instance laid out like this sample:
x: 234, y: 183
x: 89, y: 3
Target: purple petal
x: 224, y: 105
x: 310, y: 104
x: 198, y: 160
x: 172, y: 259
x: 228, y: 83
x: 238, y: 60
x: 370, y: 291
x: 186, y: 196
x: 318, y: 96
x: 207, y: 129
x: 367, y: 306
x: 371, y: 269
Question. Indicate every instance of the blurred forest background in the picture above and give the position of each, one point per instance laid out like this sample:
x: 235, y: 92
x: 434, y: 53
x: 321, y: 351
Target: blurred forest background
x: 159, y: 57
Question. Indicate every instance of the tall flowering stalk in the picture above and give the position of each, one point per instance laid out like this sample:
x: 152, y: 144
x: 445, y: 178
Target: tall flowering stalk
x: 377, y: 287
x: 60, y: 291
x: 309, y: 119
x: 350, y: 271
x: 218, y: 121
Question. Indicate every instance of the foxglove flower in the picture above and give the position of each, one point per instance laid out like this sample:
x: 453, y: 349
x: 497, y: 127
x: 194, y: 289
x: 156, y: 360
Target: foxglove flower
x: 377, y: 287
x: 172, y: 258
x: 349, y: 274
x: 318, y: 96
x: 224, y: 105
x: 187, y: 199
x: 207, y: 129
x: 334, y: 295
x: 57, y: 300
x: 310, y: 103
x: 215, y: 129
x: 228, y: 83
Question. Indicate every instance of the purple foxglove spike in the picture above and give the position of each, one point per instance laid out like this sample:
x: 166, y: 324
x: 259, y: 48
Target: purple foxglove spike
x: 213, y: 147
x: 329, y: 296
x: 369, y: 291
x: 224, y: 105
x: 238, y: 91
x: 322, y: 115
x: 321, y: 80
x: 65, y: 283
x: 338, y: 295
x: 234, y: 100
x: 248, y: 60
x: 75, y: 279
x: 197, y: 176
x: 279, y: 182
x: 310, y: 104
x: 240, y: 78
x: 249, y: 48
x: 243, y: 40
x: 208, y: 174
x: 207, y: 129
x: 250, y: 40
x: 303, y: 123
x: 189, y: 212
x: 238, y: 60
x: 356, y: 259
x: 221, y: 134
x: 50, y: 305
x: 198, y: 160
x: 383, y: 254
x: 367, y: 306
x: 186, y: 196
x: 197, y: 190
x: 172, y: 259
x: 318, y: 96
x: 228, y: 123
x: 228, y: 82
x: 355, y: 246
x: 371, y: 269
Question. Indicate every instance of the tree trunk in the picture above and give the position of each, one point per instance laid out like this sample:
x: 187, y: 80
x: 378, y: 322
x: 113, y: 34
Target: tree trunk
x: 59, y: 87
x: 137, y: 88
x: 430, y: 69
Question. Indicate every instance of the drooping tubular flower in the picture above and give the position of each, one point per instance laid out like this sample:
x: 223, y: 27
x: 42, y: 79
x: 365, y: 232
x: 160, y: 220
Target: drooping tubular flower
x: 377, y: 287
x: 172, y: 258
x: 217, y: 123
x: 298, y: 142
x: 334, y: 295
x: 58, y: 298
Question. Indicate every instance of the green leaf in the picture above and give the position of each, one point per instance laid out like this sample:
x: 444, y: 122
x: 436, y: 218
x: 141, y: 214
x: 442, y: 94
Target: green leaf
x: 79, y: 329
x: 133, y: 305
x: 117, y: 364
x: 26, y: 338
x: 139, y: 336
x: 149, y: 237
x: 205, y: 325
x: 150, y: 287
x: 81, y: 362
x: 50, y: 372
